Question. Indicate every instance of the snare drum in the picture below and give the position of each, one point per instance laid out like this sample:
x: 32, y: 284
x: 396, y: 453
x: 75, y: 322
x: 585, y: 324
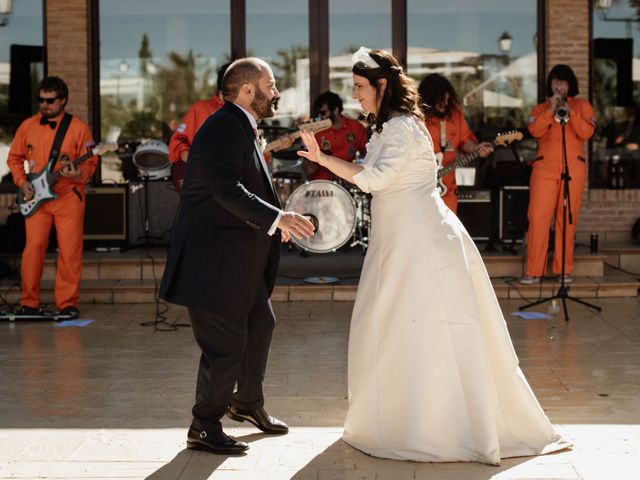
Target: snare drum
x: 332, y: 211
x: 152, y: 160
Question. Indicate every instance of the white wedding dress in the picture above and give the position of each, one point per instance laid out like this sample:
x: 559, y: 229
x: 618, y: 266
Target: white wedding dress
x: 433, y: 375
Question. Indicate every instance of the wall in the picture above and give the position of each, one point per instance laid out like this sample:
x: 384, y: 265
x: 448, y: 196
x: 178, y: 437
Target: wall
x: 68, y: 47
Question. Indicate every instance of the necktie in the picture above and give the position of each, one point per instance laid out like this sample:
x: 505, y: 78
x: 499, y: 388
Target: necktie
x: 45, y: 121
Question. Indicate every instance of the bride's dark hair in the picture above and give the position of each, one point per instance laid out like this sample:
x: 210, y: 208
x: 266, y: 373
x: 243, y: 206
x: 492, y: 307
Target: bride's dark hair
x: 400, y: 94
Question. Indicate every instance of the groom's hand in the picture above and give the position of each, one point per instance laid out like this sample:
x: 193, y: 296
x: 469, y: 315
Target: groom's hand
x: 292, y: 223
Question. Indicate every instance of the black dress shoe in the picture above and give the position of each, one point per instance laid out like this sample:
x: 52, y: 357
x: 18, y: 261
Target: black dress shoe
x: 214, y: 442
x: 260, y: 419
x: 68, y: 313
x: 24, y: 310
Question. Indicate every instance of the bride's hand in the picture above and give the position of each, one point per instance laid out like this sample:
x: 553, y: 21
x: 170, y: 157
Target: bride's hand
x: 313, y: 152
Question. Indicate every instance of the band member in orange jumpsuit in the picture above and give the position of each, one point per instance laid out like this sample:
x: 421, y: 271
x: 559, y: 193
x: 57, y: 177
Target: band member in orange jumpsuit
x: 182, y: 138
x: 343, y: 140
x: 32, y: 145
x: 448, y: 128
x: 545, y: 187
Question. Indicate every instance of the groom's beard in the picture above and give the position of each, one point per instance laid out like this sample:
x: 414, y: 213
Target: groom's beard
x: 264, y: 107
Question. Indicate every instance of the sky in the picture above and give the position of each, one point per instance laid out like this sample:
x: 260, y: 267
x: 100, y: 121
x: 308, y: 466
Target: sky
x: 273, y: 24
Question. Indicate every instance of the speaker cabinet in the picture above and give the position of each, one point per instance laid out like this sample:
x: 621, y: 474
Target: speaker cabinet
x: 475, y: 211
x: 512, y: 213
x: 152, y: 210
x: 105, y: 217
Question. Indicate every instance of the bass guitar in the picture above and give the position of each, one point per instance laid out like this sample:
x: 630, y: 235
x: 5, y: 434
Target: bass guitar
x: 502, y: 140
x: 178, y: 168
x: 44, y: 181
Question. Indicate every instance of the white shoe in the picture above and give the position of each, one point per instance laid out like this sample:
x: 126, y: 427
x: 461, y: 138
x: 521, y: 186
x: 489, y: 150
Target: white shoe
x: 529, y: 280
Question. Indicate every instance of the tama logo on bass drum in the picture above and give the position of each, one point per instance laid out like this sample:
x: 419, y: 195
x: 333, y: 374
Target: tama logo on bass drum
x: 319, y: 193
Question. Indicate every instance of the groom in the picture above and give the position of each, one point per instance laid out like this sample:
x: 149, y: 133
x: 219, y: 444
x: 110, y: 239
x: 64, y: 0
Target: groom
x: 224, y: 255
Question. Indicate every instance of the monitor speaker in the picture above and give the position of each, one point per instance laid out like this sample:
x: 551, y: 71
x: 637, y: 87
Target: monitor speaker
x: 153, y: 206
x: 512, y: 213
x: 105, y: 216
x: 475, y: 211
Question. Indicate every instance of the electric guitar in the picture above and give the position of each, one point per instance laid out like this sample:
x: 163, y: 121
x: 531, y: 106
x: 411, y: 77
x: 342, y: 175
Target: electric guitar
x: 311, y: 127
x: 501, y: 140
x: 44, y: 181
x: 178, y: 168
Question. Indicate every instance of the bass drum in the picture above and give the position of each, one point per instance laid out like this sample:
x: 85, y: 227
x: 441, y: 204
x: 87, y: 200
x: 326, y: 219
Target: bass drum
x: 331, y: 210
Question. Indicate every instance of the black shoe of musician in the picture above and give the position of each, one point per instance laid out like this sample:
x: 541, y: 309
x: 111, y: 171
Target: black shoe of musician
x: 68, y: 313
x: 260, y: 418
x: 27, y: 311
x: 214, y: 442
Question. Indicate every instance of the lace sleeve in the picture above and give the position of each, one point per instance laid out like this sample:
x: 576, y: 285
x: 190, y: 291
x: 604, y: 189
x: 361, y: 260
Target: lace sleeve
x: 387, y: 155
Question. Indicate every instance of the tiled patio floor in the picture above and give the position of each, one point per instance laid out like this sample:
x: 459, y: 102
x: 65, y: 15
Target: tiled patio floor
x: 112, y: 400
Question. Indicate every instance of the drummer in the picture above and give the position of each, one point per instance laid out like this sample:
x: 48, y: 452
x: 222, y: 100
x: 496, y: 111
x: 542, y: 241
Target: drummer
x: 345, y: 139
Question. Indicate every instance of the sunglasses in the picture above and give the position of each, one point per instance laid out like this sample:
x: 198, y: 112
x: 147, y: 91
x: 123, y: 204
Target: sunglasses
x: 47, y: 100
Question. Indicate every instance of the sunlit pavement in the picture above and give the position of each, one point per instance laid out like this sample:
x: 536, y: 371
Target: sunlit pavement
x: 112, y: 399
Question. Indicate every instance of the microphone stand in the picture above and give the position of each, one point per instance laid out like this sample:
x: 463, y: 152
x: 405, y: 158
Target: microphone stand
x: 563, y: 291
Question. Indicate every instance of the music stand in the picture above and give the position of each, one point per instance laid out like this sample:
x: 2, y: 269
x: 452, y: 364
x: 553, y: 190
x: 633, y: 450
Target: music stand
x: 563, y: 290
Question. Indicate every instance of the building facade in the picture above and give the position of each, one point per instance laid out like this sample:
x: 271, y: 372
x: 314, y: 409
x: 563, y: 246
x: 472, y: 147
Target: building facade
x: 133, y: 68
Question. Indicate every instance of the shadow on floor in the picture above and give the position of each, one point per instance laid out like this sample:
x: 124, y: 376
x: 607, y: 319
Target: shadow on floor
x: 197, y: 465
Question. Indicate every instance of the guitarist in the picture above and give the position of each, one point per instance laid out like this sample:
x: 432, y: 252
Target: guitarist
x: 33, y: 147
x: 343, y: 140
x: 448, y: 128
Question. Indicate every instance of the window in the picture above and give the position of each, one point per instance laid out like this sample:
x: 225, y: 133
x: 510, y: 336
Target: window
x: 615, y: 162
x: 354, y: 24
x: 278, y: 32
x: 156, y: 59
x: 21, y: 68
x: 486, y: 49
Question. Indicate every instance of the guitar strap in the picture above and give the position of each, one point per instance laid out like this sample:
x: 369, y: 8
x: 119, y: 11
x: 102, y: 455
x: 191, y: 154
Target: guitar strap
x: 57, y: 141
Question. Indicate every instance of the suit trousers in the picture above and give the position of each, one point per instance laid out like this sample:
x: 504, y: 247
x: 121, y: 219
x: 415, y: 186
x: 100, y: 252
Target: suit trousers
x: 233, y: 351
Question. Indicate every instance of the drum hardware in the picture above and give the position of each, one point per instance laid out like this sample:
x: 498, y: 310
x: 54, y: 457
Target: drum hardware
x: 151, y: 159
x: 363, y: 218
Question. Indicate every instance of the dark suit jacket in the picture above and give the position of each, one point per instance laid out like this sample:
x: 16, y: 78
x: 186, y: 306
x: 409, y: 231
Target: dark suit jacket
x: 220, y: 251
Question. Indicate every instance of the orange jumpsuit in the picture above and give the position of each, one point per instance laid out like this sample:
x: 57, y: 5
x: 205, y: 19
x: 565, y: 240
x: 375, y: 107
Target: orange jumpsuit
x: 546, y: 195
x: 457, y: 133
x: 342, y: 143
x: 33, y: 143
x: 191, y: 122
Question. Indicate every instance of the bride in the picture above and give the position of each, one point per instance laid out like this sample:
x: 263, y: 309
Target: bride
x: 433, y: 375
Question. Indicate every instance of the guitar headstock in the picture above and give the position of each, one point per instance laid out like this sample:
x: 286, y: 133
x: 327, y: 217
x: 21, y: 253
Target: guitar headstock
x: 103, y: 148
x: 506, y: 138
x: 316, y: 126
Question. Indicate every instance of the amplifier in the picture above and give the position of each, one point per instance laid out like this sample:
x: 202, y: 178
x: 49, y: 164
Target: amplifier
x: 105, y: 216
x: 475, y: 211
x: 153, y: 206
x: 512, y: 213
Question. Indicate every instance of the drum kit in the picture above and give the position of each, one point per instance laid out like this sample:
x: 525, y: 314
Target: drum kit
x: 338, y: 210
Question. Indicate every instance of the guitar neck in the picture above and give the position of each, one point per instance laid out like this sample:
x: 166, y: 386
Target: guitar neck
x: 278, y: 143
x: 460, y: 162
x: 53, y: 177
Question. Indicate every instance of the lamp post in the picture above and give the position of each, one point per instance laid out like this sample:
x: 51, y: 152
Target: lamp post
x: 504, y: 44
x: 6, y: 6
x: 123, y: 68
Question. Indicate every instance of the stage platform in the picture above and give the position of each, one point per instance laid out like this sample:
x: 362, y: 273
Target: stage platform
x: 131, y: 276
